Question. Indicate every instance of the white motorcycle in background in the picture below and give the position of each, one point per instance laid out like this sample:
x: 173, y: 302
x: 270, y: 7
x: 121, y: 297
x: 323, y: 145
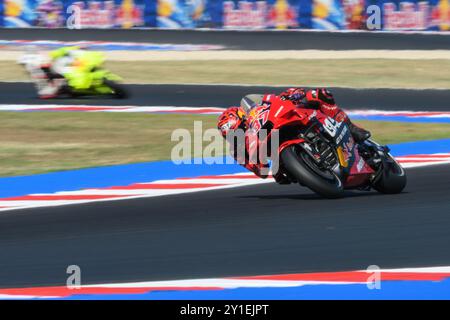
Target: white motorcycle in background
x: 100, y: 82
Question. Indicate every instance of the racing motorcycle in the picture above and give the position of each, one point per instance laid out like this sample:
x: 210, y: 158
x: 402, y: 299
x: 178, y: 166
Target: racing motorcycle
x: 320, y: 153
x: 99, y: 82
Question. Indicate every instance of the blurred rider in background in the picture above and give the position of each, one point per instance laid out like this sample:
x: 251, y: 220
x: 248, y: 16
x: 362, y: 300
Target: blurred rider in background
x: 69, y: 67
x: 321, y: 99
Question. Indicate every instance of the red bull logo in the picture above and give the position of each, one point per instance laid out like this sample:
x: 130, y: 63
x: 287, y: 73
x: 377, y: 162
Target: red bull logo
x: 246, y: 15
x: 409, y: 16
x: 259, y: 15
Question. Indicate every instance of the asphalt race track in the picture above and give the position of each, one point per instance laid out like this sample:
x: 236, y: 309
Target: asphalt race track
x: 265, y: 229
x: 225, y: 96
x: 245, y: 40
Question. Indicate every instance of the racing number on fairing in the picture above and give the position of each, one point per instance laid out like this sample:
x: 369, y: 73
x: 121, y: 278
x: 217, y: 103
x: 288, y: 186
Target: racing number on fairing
x: 331, y: 126
x: 261, y: 118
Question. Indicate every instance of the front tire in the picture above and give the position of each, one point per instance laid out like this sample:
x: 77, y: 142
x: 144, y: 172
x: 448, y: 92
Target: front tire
x: 327, y: 186
x: 118, y: 89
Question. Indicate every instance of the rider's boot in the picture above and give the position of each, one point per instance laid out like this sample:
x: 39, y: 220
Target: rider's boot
x: 52, y: 89
x: 49, y: 91
x: 359, y: 134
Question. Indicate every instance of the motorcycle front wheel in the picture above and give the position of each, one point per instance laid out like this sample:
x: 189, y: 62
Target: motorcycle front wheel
x: 118, y: 89
x: 305, y: 171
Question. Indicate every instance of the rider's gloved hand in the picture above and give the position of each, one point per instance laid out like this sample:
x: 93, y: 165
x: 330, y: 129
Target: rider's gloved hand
x: 296, y: 95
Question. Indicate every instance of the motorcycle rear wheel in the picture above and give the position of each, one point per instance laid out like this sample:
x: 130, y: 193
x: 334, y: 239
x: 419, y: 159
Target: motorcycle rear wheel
x: 326, y: 184
x: 392, y: 179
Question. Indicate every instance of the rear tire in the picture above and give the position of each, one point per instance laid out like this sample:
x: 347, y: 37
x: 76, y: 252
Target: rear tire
x: 301, y: 171
x: 392, y: 180
x: 119, y: 90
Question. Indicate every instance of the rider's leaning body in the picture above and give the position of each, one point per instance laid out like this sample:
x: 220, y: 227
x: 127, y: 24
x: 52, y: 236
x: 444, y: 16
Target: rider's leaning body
x: 321, y: 99
x: 72, y: 64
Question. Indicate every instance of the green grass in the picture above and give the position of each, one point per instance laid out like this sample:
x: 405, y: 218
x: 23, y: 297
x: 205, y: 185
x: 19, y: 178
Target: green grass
x: 43, y: 142
x: 349, y: 73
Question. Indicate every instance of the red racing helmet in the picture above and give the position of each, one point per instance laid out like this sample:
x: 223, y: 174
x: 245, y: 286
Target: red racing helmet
x: 231, y: 119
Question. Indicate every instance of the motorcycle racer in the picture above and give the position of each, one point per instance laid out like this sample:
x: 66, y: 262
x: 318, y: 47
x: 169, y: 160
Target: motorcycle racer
x: 235, y: 118
x: 71, y: 64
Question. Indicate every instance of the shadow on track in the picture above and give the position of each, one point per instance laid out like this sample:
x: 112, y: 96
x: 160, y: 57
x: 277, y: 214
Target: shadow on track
x: 313, y: 196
